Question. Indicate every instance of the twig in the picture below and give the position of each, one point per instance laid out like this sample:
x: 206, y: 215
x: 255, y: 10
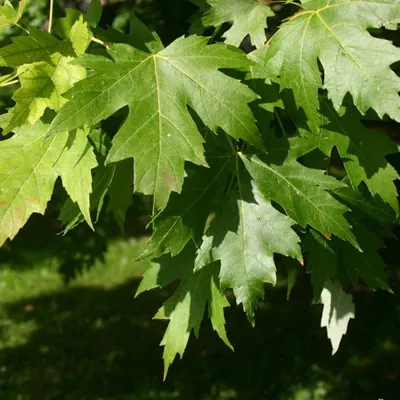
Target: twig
x: 51, y: 15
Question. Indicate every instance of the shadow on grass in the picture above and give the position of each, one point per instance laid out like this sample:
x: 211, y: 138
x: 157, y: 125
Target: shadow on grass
x: 93, y: 343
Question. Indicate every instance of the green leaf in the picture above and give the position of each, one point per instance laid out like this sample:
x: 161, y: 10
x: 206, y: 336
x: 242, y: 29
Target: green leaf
x: 366, y: 265
x: 185, y: 309
x: 337, y: 312
x: 186, y: 213
x: 42, y: 86
x: 338, y: 260
x: 302, y: 192
x: 29, y: 168
x: 159, y: 131
x: 374, y: 208
x: 362, y: 151
x: 322, y: 261
x: 80, y: 36
x: 75, y: 168
x: 249, y: 17
x: 244, y: 237
x: 142, y: 37
x: 38, y: 46
x: 71, y: 215
x: 121, y: 191
x: 8, y: 15
x: 94, y: 13
x: 335, y: 33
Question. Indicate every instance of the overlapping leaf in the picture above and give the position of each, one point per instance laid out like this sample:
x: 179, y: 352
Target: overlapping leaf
x: 42, y: 86
x: 362, y: 151
x: 29, y: 169
x: 37, y: 46
x: 185, y: 309
x: 249, y: 17
x: 159, y: 131
x: 302, y: 192
x: 335, y: 33
x: 8, y: 14
x: 244, y: 237
x: 186, y: 214
x: 338, y: 260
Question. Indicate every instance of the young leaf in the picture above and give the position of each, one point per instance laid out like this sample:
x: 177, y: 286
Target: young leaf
x: 249, y: 17
x: 302, y: 192
x: 335, y: 32
x: 80, y: 36
x: 245, y: 236
x: 8, y: 15
x: 29, y: 168
x: 42, y: 86
x: 337, y: 312
x: 159, y: 131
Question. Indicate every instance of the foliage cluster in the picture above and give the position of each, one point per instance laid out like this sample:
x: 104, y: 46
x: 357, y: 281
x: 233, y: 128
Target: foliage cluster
x: 250, y: 157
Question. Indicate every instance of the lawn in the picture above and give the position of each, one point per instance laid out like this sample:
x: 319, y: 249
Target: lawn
x: 84, y: 336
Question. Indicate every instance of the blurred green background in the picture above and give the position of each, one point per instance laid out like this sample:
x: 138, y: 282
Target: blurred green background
x: 70, y: 327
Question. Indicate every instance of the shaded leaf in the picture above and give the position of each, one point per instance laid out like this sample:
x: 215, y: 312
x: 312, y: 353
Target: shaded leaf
x: 362, y: 151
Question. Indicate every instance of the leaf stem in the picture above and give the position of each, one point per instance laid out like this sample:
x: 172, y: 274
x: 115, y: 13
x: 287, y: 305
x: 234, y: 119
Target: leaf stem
x: 234, y: 150
x: 99, y: 41
x: 51, y: 15
x: 9, y: 83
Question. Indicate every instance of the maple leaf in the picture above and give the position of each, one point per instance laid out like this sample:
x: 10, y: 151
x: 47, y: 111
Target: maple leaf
x: 362, y: 151
x: 37, y: 46
x: 120, y: 191
x: 335, y: 33
x: 80, y: 36
x: 322, y: 261
x: 337, y: 259
x: 185, y: 216
x: 94, y: 13
x: 249, y: 17
x: 71, y: 215
x: 337, y: 312
x: 8, y: 14
x: 42, y: 86
x: 159, y: 132
x: 244, y: 236
x: 372, y: 207
x: 74, y: 166
x: 29, y: 168
x: 185, y: 309
x: 302, y: 192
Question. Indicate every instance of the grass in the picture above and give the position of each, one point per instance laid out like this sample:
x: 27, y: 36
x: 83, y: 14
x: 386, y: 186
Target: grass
x: 90, y: 339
